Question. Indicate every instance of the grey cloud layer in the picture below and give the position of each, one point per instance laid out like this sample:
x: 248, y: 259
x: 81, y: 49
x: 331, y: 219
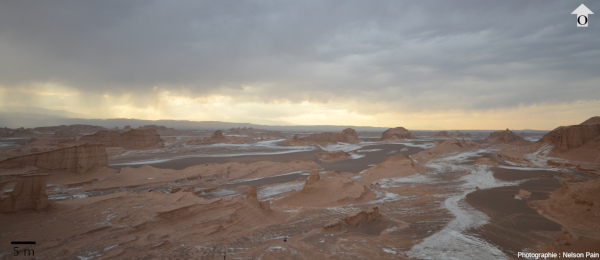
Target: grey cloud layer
x: 424, y: 54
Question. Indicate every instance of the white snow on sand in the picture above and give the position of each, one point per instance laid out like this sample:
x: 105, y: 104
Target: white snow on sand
x: 272, y: 190
x: 385, y: 196
x: 356, y: 156
x: 154, y: 161
x: 389, y: 251
x: 341, y: 146
x: 422, y: 145
x: 461, y: 157
x: 368, y: 150
x: 454, y: 242
x: 396, y: 182
x: 527, y: 168
x: 540, y: 157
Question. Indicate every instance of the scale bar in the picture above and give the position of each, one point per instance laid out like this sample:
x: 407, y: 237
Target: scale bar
x: 22, y: 242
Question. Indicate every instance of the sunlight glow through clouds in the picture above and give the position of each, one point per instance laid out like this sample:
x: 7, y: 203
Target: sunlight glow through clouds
x: 164, y: 104
x: 362, y: 63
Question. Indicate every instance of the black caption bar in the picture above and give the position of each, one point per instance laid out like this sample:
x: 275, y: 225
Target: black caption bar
x: 22, y: 242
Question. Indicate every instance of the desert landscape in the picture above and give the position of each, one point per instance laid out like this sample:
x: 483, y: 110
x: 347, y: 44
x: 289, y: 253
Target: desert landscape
x: 86, y: 192
x: 312, y: 129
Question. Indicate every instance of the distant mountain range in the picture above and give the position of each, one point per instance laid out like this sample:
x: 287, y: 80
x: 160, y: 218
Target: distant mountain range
x: 33, y: 119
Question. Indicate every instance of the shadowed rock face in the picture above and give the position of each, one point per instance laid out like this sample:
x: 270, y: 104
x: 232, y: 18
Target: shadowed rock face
x: 252, y: 196
x: 29, y: 194
x: 398, y: 133
x: 332, y: 225
x: 313, y: 178
x: 506, y: 137
x: 370, y: 214
x: 569, y: 137
x: 132, y: 139
x: 81, y: 158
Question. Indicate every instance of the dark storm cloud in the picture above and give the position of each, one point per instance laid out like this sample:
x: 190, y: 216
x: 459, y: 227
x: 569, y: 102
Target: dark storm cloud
x: 470, y: 54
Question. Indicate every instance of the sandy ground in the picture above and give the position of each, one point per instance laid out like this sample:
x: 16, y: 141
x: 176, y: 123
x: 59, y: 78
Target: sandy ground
x: 199, y: 202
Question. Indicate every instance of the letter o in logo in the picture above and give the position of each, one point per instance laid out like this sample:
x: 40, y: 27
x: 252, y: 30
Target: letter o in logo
x: 579, y: 20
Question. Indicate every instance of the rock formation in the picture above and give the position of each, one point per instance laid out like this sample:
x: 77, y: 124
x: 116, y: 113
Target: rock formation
x: 458, y: 134
x: 132, y: 139
x: 348, y: 135
x: 217, y: 137
x: 595, y: 120
x: 77, y: 129
x: 333, y: 156
x: 332, y: 225
x: 506, y: 137
x: 161, y: 130
x: 251, y: 132
x: 448, y: 146
x: 523, y: 194
x: 65, y: 133
x: 312, y: 179
x: 331, y: 189
x: 252, y: 197
x: 568, y: 137
x: 576, y: 143
x: 487, y: 159
x: 394, y: 166
x: 441, y: 134
x: 371, y: 214
x: 81, y: 158
x: 19, y: 132
x: 274, y: 134
x: 28, y: 194
x: 252, y: 194
x: 576, y: 205
x: 398, y: 133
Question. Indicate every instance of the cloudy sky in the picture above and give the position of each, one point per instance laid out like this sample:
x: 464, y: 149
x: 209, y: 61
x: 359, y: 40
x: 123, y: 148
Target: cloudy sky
x: 418, y: 64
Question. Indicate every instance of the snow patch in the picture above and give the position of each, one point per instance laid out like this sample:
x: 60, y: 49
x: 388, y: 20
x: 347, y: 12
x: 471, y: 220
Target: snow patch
x: 540, y: 157
x: 453, y: 242
x: 461, y: 157
x: 385, y: 196
x: 221, y: 193
x: 395, y: 182
x: 356, y: 156
x: 340, y: 146
x: 368, y: 150
x: 273, y: 190
x: 423, y: 145
x: 527, y: 168
x: 389, y: 251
